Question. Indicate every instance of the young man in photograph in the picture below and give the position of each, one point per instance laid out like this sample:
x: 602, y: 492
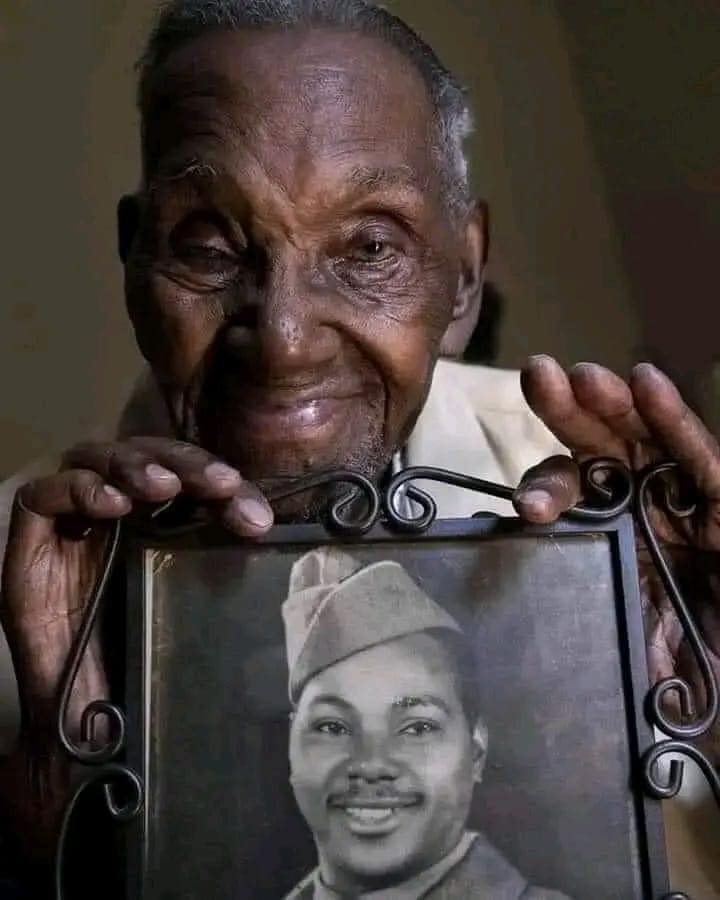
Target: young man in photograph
x: 386, y: 742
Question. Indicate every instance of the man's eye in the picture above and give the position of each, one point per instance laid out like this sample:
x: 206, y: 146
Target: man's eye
x: 332, y: 727
x: 420, y: 728
x: 373, y: 252
x: 205, y: 254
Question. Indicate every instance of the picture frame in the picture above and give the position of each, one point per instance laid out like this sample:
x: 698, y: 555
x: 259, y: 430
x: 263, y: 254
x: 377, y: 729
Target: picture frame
x: 587, y: 690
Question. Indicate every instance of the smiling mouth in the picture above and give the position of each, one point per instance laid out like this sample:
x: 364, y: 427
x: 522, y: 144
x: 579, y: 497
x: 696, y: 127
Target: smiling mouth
x: 371, y: 822
x: 374, y: 818
x: 366, y: 816
x: 311, y: 413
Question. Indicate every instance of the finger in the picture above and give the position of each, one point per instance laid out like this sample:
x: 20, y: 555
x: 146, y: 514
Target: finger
x: 158, y: 469
x: 248, y: 514
x: 676, y: 428
x: 72, y: 493
x: 605, y: 395
x: 548, y: 490
x: 550, y: 395
x: 202, y: 474
x: 133, y: 471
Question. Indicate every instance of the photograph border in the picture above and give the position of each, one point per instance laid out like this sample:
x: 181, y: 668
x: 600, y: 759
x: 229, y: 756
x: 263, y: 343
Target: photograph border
x: 621, y: 535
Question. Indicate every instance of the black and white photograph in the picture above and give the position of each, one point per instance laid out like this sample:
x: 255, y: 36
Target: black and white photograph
x: 396, y: 719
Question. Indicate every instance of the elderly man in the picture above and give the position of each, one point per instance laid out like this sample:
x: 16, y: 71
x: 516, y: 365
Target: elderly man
x: 301, y: 250
x: 386, y: 741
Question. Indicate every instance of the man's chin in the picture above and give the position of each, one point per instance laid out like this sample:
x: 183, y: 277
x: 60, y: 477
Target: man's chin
x: 372, y: 869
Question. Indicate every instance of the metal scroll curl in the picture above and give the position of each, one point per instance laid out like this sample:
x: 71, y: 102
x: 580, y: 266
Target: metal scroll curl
x: 351, y: 514
x: 606, y: 484
x: 694, y: 724
x: 107, y: 773
x: 700, y: 724
x: 109, y: 776
x: 665, y: 790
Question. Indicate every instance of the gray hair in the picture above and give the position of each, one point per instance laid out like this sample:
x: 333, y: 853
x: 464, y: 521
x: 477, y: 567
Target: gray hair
x: 181, y: 21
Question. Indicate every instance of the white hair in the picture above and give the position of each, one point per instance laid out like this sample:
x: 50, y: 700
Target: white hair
x: 181, y: 21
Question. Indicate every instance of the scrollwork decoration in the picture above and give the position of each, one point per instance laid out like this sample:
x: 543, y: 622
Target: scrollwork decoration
x: 607, y: 485
x: 109, y: 775
x: 345, y: 516
x: 106, y: 772
x: 703, y: 723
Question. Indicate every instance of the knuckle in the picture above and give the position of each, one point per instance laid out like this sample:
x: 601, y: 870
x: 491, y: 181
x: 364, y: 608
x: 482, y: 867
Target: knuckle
x: 84, y: 488
x: 121, y: 462
x: 558, y: 475
x: 552, y: 468
x: 184, y: 450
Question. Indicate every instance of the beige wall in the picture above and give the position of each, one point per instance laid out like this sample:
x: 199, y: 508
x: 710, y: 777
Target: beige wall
x: 69, y: 149
x: 648, y: 75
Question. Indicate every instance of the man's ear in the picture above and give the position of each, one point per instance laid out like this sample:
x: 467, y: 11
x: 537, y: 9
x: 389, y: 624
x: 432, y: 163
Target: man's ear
x: 475, y: 238
x: 128, y: 221
x: 479, y: 750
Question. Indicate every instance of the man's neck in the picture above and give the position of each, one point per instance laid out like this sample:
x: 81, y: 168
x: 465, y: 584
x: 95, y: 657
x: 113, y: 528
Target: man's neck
x: 331, y: 885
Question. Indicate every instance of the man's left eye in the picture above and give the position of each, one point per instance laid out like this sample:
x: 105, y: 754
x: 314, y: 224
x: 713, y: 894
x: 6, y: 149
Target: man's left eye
x: 373, y: 252
x: 420, y: 729
x: 204, y: 252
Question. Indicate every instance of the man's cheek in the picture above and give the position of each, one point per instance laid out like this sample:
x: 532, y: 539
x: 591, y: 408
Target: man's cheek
x: 409, y: 360
x: 311, y: 790
x: 442, y: 770
x: 175, y: 329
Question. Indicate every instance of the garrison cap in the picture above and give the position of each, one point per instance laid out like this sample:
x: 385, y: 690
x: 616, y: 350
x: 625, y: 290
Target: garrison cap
x: 338, y: 606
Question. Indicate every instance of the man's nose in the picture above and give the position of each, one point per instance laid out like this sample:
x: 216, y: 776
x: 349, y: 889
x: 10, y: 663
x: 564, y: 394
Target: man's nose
x: 372, y: 761
x: 287, y: 326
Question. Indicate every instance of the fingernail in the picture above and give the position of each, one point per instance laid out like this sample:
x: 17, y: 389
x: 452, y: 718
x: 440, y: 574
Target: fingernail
x: 113, y: 493
x: 218, y: 471
x: 158, y: 473
x: 535, y: 497
x: 256, y: 513
x: 647, y: 368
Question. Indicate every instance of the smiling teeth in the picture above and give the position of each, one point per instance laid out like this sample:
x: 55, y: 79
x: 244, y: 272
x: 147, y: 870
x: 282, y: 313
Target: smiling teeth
x: 369, y: 816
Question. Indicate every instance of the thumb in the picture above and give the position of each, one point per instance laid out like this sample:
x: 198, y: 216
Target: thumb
x: 548, y: 490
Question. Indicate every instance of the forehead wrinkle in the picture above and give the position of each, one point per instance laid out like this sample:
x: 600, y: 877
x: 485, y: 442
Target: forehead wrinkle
x: 334, y: 124
x: 305, y: 183
x: 191, y: 172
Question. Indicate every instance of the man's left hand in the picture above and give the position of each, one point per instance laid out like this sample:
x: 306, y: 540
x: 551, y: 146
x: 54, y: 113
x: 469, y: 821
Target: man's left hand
x: 594, y: 413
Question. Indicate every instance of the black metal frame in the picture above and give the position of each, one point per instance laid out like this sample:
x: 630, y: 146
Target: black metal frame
x: 610, y: 491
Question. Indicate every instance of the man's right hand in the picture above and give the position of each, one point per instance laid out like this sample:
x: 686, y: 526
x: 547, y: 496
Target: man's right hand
x: 48, y: 577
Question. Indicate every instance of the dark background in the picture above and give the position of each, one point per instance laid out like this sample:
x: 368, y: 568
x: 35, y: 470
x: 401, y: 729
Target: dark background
x: 541, y: 614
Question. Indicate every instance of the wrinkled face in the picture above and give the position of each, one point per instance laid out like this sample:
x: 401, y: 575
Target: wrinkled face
x: 291, y: 267
x: 383, y: 763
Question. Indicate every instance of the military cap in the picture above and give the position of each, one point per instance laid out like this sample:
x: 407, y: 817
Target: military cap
x: 338, y: 606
